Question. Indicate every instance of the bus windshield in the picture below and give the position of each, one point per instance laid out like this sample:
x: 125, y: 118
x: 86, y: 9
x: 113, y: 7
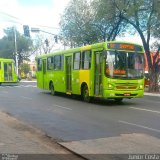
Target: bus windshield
x: 124, y: 65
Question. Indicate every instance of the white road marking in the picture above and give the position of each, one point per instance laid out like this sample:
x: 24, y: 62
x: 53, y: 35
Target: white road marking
x: 147, y: 110
x: 26, y: 97
x: 5, y: 92
x: 2, y: 144
x: 63, y: 107
x: 18, y: 86
x: 140, y: 126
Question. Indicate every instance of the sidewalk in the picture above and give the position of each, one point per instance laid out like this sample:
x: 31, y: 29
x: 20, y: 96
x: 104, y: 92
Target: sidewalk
x: 21, y: 141
x: 147, y: 93
x: 152, y: 94
x: 26, y: 80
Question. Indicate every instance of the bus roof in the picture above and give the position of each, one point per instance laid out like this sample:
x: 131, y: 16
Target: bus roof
x: 6, y: 60
x: 88, y: 47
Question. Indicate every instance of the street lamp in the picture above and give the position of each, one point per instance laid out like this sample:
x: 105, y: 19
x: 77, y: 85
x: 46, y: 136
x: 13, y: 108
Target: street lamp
x: 37, y: 30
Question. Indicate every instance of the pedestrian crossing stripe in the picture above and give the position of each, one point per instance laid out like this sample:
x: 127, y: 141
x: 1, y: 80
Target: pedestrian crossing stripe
x: 18, y: 86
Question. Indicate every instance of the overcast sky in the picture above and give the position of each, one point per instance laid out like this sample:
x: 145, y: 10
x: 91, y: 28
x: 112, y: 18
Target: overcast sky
x: 35, y: 13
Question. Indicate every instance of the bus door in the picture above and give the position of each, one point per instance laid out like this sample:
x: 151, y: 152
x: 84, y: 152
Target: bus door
x: 44, y: 73
x: 98, y: 73
x: 8, y: 72
x: 68, y: 74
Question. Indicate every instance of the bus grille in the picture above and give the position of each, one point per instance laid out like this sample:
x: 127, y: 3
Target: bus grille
x: 126, y: 86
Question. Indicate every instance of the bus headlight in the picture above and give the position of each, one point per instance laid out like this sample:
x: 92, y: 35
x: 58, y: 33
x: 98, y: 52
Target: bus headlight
x: 140, y: 86
x: 110, y: 86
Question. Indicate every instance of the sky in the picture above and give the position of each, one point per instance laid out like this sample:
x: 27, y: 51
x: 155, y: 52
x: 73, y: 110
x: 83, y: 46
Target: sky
x: 35, y: 13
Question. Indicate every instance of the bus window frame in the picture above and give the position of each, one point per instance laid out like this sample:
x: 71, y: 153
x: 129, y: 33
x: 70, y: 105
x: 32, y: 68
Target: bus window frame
x: 39, y: 62
x: 83, y: 61
x: 60, y: 62
x: 77, y: 61
x: 49, y: 68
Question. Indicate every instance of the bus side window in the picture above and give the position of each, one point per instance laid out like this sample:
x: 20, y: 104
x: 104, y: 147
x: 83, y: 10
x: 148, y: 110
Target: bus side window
x: 50, y: 63
x: 0, y: 65
x: 39, y: 64
x: 76, y: 61
x: 62, y: 62
x: 86, y: 60
x: 57, y: 62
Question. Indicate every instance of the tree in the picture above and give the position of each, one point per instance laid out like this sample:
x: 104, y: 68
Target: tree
x: 7, y: 45
x: 43, y: 44
x: 75, y: 24
x: 106, y: 20
x: 142, y: 16
x: 85, y: 22
x: 24, y: 68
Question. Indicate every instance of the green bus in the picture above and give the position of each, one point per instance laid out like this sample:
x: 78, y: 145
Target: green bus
x: 7, y: 71
x: 110, y: 70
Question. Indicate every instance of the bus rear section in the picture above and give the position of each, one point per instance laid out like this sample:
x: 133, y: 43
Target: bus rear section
x: 7, y: 71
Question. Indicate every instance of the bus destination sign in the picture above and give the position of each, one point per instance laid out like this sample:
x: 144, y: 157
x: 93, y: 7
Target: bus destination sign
x: 124, y: 46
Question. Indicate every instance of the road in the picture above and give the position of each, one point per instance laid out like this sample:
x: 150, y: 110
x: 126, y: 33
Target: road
x: 69, y: 119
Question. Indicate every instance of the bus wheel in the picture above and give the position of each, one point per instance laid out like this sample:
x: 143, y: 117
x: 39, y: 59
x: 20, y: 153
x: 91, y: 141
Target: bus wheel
x: 118, y: 100
x: 0, y: 84
x: 85, y: 94
x: 52, y: 89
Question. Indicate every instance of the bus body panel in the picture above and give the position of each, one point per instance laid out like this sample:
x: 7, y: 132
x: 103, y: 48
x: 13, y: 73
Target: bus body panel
x: 76, y: 87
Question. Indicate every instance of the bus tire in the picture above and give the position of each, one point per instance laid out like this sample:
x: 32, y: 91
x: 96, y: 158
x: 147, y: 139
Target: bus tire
x: 118, y: 100
x: 52, y: 89
x: 85, y: 94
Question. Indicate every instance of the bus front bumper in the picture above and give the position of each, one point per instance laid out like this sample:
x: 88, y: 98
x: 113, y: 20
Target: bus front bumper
x: 111, y: 94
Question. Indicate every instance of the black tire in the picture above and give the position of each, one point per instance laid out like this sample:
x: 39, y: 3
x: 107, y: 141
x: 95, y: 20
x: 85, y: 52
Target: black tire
x: 118, y: 100
x: 85, y: 94
x: 52, y: 89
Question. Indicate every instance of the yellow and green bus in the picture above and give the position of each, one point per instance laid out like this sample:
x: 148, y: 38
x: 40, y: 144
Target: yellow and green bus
x: 109, y: 70
x: 7, y: 71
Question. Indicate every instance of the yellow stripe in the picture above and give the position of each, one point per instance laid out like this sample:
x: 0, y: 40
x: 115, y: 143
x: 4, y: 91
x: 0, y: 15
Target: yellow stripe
x: 84, y: 77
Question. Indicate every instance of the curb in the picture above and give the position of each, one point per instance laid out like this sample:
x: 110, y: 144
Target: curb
x: 152, y: 94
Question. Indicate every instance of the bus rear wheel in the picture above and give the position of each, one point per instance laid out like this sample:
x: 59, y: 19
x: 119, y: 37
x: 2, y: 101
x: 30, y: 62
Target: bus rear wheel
x: 52, y: 89
x: 85, y: 94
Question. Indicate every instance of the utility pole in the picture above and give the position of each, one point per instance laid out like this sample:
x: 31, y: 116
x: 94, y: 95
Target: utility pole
x: 15, y: 44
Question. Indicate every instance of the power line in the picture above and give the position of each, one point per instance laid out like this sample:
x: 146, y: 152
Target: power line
x: 10, y: 16
x: 47, y: 26
x: 21, y: 21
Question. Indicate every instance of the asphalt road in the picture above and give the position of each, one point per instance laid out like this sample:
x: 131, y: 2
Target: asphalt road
x: 70, y: 119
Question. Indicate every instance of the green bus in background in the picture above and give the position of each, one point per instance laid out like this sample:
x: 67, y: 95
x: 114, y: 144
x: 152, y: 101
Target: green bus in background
x: 109, y: 70
x: 7, y: 71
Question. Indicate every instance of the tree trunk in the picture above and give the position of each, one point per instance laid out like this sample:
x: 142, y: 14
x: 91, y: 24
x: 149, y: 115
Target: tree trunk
x: 153, y: 86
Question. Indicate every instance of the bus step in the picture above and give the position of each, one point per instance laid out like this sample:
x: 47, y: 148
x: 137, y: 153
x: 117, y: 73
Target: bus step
x: 69, y: 93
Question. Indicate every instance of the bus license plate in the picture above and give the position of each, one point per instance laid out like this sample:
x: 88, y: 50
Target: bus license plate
x: 127, y: 94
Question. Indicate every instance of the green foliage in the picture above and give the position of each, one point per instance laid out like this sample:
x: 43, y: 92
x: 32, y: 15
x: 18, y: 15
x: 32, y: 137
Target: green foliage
x: 7, y: 45
x: 85, y: 23
x: 24, y: 68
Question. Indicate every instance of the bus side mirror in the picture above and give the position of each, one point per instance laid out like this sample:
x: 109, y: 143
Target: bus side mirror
x: 105, y: 54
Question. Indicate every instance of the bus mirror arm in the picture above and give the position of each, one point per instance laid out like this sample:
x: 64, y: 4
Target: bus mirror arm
x: 105, y: 54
